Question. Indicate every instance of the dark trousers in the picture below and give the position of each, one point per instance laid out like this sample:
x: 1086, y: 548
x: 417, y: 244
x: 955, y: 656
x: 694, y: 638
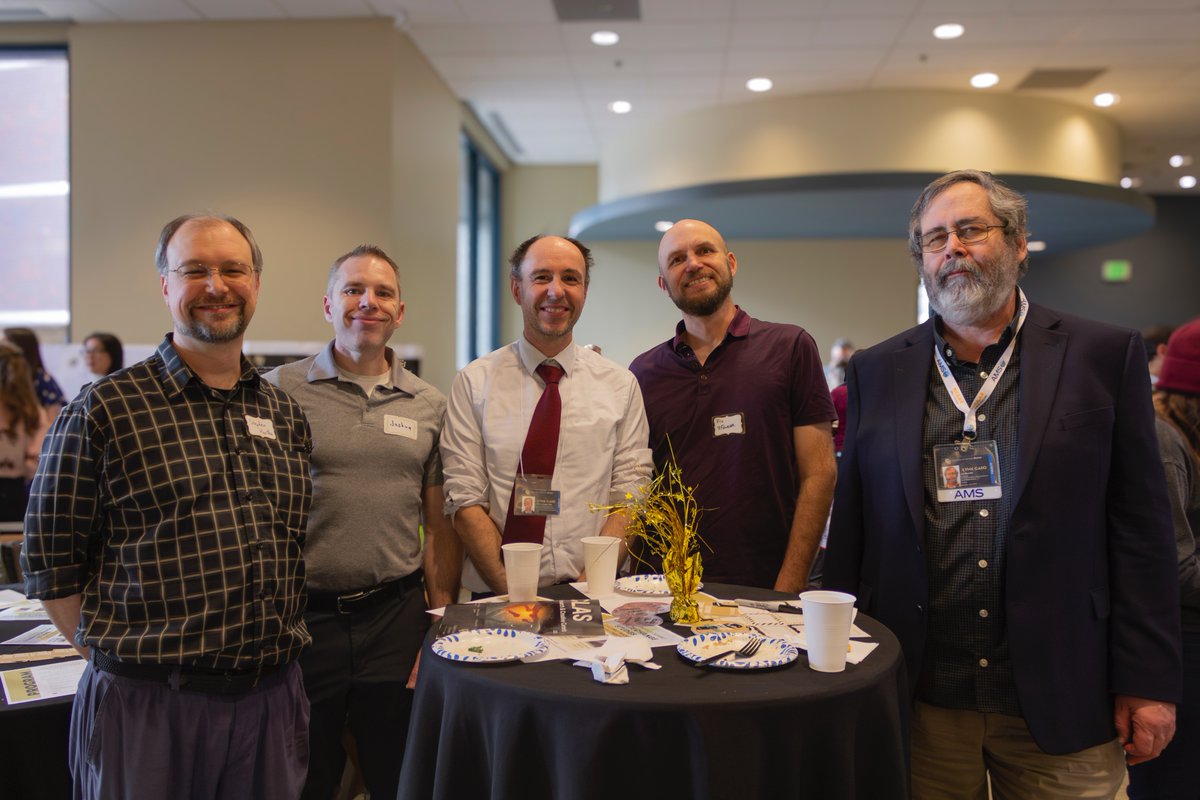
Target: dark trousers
x: 355, y: 672
x: 1175, y: 775
x: 133, y: 739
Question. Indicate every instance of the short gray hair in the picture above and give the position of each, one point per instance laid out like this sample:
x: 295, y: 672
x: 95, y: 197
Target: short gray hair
x: 1007, y: 204
x: 363, y: 250
x: 172, y: 227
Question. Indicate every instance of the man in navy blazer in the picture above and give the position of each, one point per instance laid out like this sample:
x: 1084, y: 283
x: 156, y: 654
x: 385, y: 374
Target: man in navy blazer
x: 1034, y: 591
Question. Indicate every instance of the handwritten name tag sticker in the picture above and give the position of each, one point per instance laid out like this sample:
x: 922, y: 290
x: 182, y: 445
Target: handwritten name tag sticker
x: 400, y: 426
x: 262, y: 428
x: 729, y: 424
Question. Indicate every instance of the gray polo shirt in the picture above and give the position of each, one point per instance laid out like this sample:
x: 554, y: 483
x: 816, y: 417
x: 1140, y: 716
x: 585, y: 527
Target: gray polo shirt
x: 371, y: 459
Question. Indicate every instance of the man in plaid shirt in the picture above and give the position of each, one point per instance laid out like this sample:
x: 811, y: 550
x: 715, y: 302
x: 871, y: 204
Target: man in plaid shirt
x: 164, y: 537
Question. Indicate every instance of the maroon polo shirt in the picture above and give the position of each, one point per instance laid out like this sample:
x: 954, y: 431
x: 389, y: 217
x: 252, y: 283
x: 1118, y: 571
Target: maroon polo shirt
x: 730, y: 424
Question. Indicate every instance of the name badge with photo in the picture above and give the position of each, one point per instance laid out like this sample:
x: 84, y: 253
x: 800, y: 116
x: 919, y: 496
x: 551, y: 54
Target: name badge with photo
x: 729, y: 424
x: 260, y: 427
x: 399, y: 426
x: 968, y: 471
x: 533, y: 497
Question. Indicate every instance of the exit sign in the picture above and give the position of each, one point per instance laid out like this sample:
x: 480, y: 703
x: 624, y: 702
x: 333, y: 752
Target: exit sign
x: 1116, y: 271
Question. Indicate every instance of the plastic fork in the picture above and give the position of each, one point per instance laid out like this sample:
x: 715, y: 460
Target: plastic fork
x: 745, y: 651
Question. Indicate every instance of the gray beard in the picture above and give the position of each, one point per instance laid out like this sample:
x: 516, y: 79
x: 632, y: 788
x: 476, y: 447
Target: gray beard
x: 227, y: 333
x: 976, y: 300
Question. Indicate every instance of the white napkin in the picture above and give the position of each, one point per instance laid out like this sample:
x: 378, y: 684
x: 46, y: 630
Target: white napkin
x: 608, y: 662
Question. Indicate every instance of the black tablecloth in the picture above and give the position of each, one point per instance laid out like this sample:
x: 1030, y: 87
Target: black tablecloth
x: 33, y: 736
x: 549, y: 730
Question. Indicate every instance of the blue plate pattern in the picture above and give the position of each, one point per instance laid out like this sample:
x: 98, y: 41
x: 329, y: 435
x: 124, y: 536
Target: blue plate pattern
x: 489, y: 645
x: 646, y: 584
x: 772, y: 652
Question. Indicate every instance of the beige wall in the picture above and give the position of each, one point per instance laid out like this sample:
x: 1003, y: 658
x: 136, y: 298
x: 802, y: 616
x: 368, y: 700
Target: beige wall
x: 857, y: 132
x: 319, y: 135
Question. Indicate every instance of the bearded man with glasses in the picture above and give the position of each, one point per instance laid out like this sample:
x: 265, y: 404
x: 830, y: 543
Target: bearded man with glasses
x: 1036, y: 598
x: 164, y: 537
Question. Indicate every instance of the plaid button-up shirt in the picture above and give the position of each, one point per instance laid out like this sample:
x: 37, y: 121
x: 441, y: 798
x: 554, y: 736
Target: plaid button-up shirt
x: 178, y: 512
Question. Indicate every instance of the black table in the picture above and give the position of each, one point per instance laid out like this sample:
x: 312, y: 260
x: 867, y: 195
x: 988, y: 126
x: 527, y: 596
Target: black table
x: 548, y: 730
x: 33, y: 736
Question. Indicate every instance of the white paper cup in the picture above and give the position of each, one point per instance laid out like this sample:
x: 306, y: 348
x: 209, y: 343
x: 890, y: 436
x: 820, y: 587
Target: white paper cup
x: 827, y: 618
x: 600, y: 563
x: 522, y: 563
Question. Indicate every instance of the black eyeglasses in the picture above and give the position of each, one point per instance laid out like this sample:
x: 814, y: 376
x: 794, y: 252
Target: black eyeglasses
x: 967, y: 234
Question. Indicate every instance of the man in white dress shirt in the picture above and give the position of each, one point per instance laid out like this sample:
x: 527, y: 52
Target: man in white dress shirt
x: 602, y: 448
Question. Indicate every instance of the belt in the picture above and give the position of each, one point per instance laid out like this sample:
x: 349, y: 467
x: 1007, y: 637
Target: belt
x: 362, y: 599
x: 192, y: 679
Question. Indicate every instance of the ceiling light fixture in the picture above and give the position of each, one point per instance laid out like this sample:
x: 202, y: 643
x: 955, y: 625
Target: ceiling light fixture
x: 1036, y: 246
x: 950, y: 30
x: 759, y: 84
x: 663, y: 225
x: 1129, y: 182
x: 605, y: 38
x: 1106, y: 99
x: 1179, y: 160
x: 985, y: 80
x: 1187, y: 182
x: 620, y: 106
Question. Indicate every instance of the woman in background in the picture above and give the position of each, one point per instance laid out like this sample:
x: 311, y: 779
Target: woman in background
x: 23, y: 424
x: 1177, y: 409
x: 103, y: 354
x: 49, y: 393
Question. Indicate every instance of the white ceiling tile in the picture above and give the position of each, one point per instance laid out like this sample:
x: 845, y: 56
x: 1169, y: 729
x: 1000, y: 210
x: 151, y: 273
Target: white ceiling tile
x: 503, y: 67
x: 146, y: 11
x: 508, y: 12
x: 837, y: 31
x: 440, y: 40
x: 318, y: 9
x: 238, y: 9
x: 661, y: 36
x: 781, y: 33
x: 1140, y: 27
x: 777, y: 9
x: 676, y: 10
x: 78, y: 10
x: 875, y: 8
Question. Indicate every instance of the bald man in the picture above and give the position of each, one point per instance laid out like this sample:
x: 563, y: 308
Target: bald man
x: 744, y: 407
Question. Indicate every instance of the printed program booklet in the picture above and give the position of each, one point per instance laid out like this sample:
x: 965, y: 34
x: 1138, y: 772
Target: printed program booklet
x: 547, y: 617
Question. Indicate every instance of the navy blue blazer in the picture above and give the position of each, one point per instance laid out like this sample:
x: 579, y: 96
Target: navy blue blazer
x: 1090, y: 589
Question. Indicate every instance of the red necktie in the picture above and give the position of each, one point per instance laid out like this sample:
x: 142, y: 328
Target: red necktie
x: 537, y: 456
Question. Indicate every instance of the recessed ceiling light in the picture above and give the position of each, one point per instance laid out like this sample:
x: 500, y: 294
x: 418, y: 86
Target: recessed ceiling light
x: 662, y: 226
x: 620, y: 106
x: 985, y: 80
x: 1036, y: 246
x: 1179, y: 160
x: 1187, y: 182
x: 605, y: 38
x: 759, y: 84
x: 1106, y: 99
x: 951, y: 30
x: 1129, y: 182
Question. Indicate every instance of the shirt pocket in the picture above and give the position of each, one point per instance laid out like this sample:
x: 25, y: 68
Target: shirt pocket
x: 1093, y: 417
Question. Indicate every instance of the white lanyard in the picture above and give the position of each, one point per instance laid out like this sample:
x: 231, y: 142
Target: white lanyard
x: 989, y: 385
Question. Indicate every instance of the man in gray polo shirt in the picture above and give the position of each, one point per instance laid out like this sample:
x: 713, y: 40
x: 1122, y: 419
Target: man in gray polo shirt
x: 377, y: 474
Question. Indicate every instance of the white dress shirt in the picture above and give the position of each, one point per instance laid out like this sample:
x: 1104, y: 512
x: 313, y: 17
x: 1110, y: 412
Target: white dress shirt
x: 602, y: 444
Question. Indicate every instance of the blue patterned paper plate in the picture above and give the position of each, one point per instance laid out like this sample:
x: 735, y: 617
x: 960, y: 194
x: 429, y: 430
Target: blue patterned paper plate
x: 489, y: 645
x: 772, y: 652
x: 646, y: 584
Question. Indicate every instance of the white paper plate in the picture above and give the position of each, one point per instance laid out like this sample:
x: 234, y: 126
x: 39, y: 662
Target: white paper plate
x: 489, y: 645
x: 772, y: 653
x: 646, y: 584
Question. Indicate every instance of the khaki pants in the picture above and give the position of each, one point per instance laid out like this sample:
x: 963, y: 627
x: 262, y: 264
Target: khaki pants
x: 954, y: 752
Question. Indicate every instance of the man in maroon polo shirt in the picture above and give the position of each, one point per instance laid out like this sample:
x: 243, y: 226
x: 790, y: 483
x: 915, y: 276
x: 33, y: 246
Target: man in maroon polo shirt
x: 744, y: 406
